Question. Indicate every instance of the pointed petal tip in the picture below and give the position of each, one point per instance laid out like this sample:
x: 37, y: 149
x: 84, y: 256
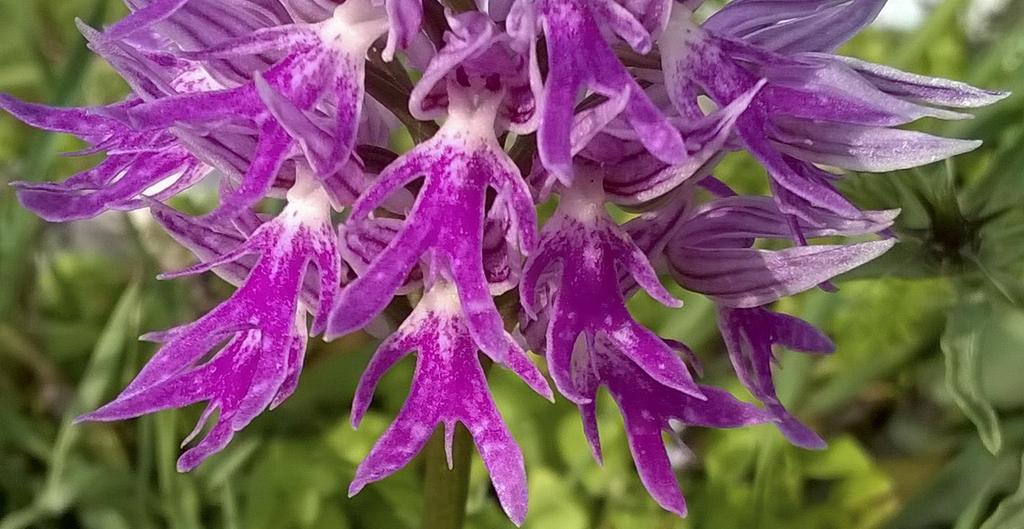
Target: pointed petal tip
x: 338, y: 323
x: 574, y: 397
x: 334, y: 330
x: 516, y: 510
x: 800, y: 435
x: 186, y: 464
x: 674, y: 503
x: 679, y: 510
x: 99, y: 415
x: 808, y: 442
x: 995, y: 96
x: 969, y: 145
x: 356, y: 486
x: 542, y: 388
x: 548, y: 394
x: 691, y: 389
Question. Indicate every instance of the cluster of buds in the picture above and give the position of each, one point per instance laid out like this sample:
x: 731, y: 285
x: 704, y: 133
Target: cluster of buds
x: 595, y: 102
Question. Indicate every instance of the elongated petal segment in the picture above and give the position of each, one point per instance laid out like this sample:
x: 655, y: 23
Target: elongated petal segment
x: 647, y: 407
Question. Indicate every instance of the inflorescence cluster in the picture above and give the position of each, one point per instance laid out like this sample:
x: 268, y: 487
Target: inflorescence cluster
x: 598, y: 102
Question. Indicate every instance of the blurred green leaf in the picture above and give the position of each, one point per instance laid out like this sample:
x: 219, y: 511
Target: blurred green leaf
x: 1010, y: 512
x: 967, y: 322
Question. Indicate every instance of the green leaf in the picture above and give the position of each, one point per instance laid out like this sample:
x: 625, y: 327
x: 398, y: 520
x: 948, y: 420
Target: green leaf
x: 972, y: 477
x: 960, y: 344
x: 1010, y: 512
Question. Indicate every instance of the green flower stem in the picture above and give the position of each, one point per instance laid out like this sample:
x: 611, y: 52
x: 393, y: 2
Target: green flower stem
x: 444, y: 489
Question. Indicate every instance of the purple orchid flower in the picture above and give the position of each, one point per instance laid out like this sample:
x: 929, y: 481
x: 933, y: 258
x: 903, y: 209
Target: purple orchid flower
x: 587, y: 247
x: 591, y: 340
x: 647, y: 407
x: 263, y: 323
x: 460, y: 163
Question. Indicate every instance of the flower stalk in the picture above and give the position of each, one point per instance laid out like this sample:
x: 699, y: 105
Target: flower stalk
x: 445, y: 489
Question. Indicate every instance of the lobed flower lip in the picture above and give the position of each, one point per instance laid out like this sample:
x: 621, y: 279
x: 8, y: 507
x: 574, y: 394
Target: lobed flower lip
x: 262, y: 321
x: 586, y: 247
x: 446, y: 224
x: 647, y: 407
x: 749, y: 335
x: 449, y: 386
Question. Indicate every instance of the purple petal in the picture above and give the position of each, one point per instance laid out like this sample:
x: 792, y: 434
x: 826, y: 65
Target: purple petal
x: 794, y: 25
x: 741, y: 277
x: 865, y: 148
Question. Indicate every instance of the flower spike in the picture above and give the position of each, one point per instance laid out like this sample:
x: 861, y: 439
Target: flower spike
x: 299, y: 107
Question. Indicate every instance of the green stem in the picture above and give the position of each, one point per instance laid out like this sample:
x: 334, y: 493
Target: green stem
x: 445, y: 490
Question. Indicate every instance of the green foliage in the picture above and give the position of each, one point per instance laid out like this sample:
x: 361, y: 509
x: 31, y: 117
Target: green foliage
x: 961, y: 344
x: 929, y: 353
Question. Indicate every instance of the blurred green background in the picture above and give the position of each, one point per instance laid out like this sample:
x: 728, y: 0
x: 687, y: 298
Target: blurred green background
x: 922, y: 404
